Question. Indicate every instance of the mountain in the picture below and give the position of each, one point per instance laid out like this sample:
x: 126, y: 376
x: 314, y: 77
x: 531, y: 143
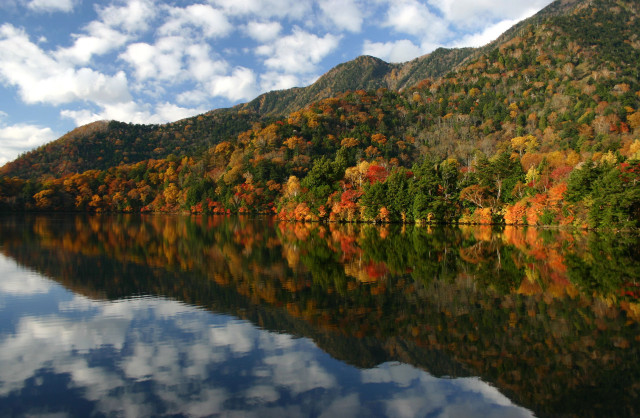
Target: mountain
x: 362, y: 73
x: 100, y: 145
x: 539, y: 127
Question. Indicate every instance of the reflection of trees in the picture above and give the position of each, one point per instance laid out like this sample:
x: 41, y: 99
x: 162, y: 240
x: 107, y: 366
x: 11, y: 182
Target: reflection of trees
x: 545, y: 315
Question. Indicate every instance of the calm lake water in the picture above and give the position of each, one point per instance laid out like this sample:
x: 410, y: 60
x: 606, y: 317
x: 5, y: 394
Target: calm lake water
x: 200, y: 316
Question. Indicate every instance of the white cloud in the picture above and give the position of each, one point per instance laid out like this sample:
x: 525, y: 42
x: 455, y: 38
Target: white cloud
x: 414, y: 18
x: 487, y: 35
x: 240, y: 85
x: 16, y: 139
x: 476, y: 13
x: 299, y: 52
x: 211, y: 22
x: 345, y: 14
x: 134, y: 16
x: 263, y: 31
x: 200, y: 65
x: 277, y: 81
x: 172, y: 60
x: 169, y: 112
x: 192, y: 97
x: 398, y: 51
x: 51, y: 5
x: 100, y: 40
x: 162, y: 61
x: 43, y: 79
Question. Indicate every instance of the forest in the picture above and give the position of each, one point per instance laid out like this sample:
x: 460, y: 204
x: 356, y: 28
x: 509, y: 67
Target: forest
x: 542, y: 128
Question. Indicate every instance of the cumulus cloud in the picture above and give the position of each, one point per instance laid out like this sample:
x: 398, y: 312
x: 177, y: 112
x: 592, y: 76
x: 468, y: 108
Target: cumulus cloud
x: 477, y: 12
x: 162, y: 61
x: 133, y: 16
x: 169, y: 112
x: 263, y: 31
x: 344, y: 14
x: 19, y: 138
x: 210, y: 22
x: 398, y: 51
x: 41, y: 78
x: 299, y: 52
x: 278, y: 81
x: 414, y: 18
x: 51, y: 5
x: 487, y: 35
x: 200, y: 64
x: 192, y: 97
x: 99, y: 40
x: 239, y: 85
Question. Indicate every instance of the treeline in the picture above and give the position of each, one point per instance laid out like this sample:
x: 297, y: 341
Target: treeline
x: 541, y: 130
x: 496, y: 190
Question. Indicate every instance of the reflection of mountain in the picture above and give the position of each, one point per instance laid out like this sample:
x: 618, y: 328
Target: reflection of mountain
x: 101, y: 277
x: 462, y: 302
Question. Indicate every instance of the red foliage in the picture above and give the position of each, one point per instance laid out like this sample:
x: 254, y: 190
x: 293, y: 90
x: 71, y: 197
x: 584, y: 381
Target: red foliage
x: 376, y: 173
x: 561, y: 172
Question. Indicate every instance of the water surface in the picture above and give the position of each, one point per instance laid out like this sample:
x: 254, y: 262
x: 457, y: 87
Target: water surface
x: 199, y: 316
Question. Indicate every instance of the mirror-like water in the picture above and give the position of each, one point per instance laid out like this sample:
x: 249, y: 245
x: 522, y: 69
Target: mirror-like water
x: 166, y: 315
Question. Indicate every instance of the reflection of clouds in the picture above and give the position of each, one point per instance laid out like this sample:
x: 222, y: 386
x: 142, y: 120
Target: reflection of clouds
x: 299, y: 372
x: 79, y: 303
x: 48, y: 342
x: 397, y: 373
x: 15, y: 280
x: 238, y: 336
x: 261, y: 394
x: 427, y: 395
x: 150, y: 356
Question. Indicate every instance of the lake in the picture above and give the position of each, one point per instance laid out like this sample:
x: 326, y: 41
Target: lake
x: 150, y: 315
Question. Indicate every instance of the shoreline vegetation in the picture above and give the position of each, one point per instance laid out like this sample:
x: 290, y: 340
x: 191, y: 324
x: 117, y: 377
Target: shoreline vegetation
x: 494, y: 191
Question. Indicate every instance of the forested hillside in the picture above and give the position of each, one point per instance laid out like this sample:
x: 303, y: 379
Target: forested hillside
x: 542, y: 128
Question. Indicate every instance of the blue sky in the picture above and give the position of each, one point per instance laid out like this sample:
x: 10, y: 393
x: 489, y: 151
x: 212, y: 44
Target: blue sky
x: 64, y: 63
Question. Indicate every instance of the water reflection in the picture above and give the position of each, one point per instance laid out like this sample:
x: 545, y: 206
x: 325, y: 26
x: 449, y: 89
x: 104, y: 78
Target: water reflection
x: 549, y: 318
x: 152, y: 356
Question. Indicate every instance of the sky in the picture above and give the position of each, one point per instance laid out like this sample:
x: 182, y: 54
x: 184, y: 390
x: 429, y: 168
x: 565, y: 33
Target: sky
x: 65, y: 63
